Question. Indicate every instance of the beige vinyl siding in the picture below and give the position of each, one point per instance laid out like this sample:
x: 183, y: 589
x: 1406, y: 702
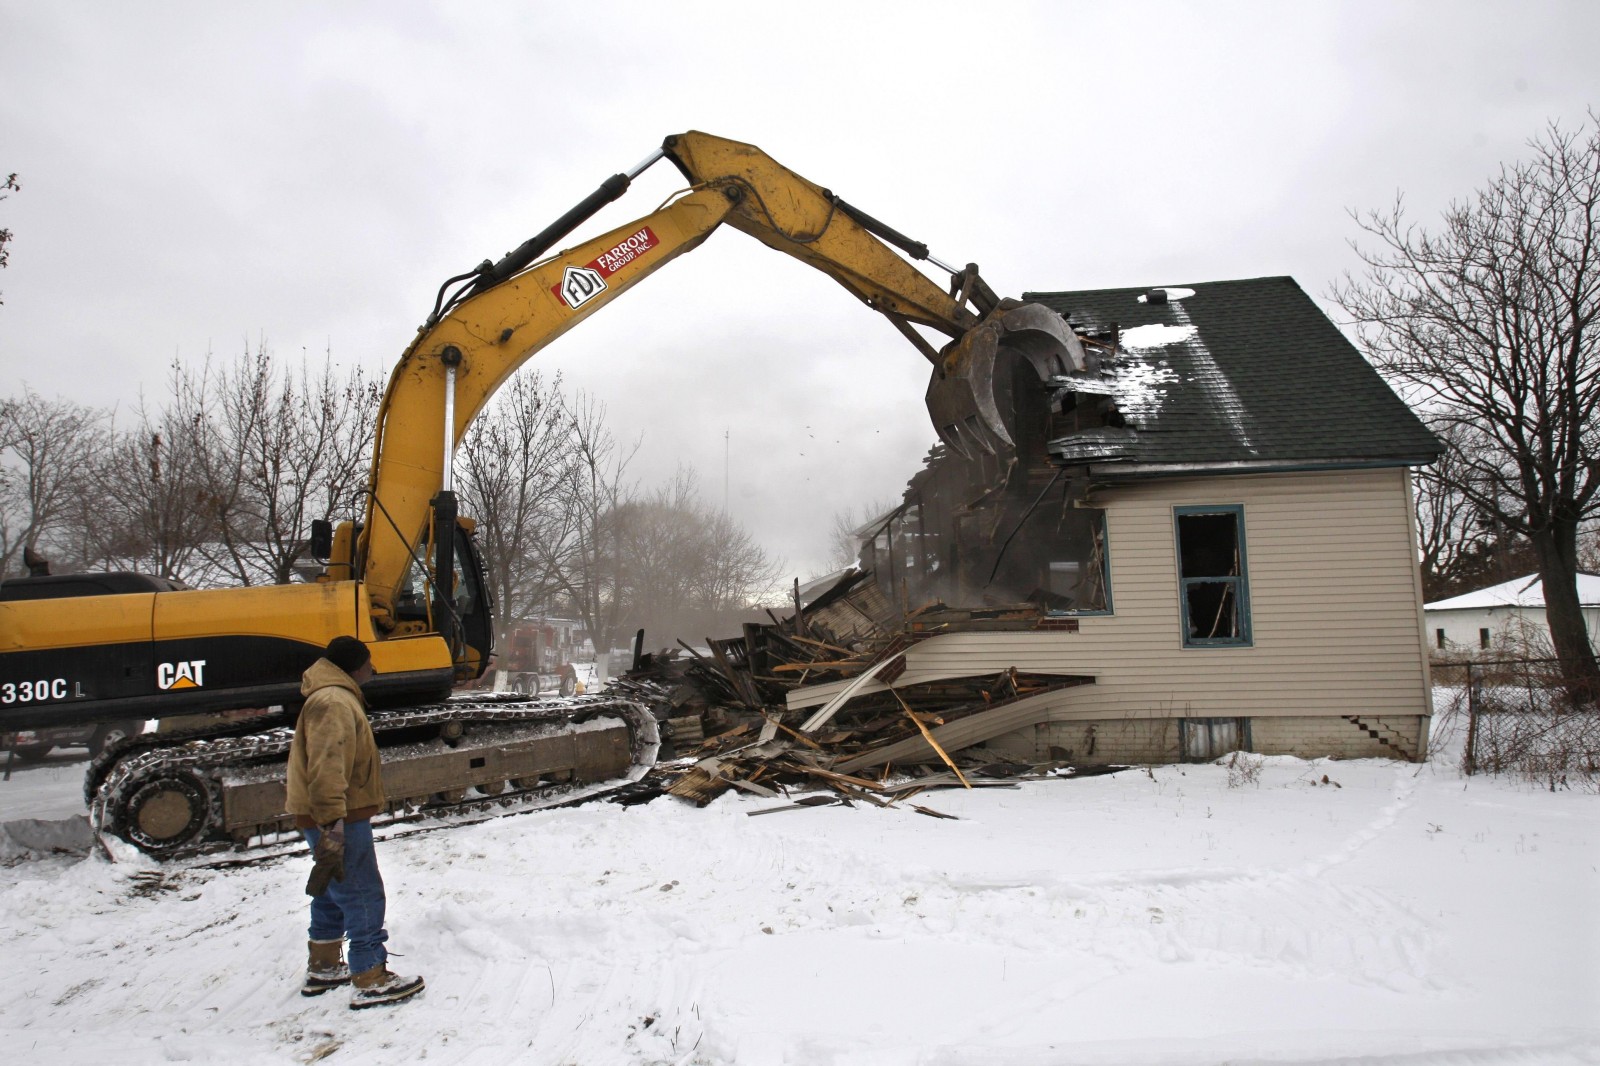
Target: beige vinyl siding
x: 1334, y: 607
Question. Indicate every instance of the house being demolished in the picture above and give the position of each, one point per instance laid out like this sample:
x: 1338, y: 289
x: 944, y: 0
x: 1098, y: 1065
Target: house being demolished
x: 1202, y: 542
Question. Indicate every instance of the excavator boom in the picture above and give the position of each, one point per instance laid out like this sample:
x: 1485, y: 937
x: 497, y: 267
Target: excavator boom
x: 511, y: 309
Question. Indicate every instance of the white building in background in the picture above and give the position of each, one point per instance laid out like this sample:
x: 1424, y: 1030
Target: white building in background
x: 1505, y: 617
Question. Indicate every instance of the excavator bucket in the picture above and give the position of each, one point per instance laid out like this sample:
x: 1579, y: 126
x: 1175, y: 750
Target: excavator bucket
x: 962, y: 396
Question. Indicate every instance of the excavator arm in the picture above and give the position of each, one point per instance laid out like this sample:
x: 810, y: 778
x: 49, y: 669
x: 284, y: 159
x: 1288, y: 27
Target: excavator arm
x: 504, y: 312
x: 141, y: 650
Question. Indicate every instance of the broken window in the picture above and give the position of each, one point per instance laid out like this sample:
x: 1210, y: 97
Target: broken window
x: 1074, y: 574
x: 1008, y: 548
x: 1214, y: 596
x: 1483, y: 639
x: 1439, y: 637
x: 1056, y: 560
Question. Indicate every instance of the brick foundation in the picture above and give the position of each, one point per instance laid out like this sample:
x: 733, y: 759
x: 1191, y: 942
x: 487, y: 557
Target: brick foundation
x: 1156, y: 740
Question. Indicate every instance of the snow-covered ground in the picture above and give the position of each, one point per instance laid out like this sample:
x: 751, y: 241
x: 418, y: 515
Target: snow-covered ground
x: 1394, y: 914
x: 50, y: 788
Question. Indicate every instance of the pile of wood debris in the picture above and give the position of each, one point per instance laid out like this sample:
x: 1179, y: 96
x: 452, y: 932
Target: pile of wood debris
x: 731, y: 725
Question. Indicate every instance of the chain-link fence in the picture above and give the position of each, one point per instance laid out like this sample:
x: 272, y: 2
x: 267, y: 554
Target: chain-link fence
x: 1520, y: 719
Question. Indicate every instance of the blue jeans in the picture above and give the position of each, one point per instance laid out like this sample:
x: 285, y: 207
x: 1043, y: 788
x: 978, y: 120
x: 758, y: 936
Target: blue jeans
x: 353, y: 907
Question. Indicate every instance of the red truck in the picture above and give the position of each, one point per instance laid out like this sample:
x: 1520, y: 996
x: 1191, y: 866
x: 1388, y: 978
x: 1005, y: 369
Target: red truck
x: 536, y: 657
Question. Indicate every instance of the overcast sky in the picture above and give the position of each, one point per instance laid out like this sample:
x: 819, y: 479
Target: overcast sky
x: 198, y: 177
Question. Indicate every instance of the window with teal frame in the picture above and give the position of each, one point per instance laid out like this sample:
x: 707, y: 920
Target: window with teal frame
x: 1214, y: 591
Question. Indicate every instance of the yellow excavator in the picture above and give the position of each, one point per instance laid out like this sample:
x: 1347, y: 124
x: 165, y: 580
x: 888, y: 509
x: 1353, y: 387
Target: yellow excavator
x: 407, y: 578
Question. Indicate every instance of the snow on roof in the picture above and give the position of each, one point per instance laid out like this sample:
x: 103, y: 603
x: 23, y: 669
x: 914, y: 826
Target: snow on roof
x: 1146, y: 371
x: 1155, y: 336
x: 1264, y: 378
x: 1526, y: 591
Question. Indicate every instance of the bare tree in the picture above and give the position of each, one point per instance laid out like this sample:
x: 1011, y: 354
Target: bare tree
x: 688, y: 571
x: 1589, y: 551
x: 514, y: 473
x: 145, y: 506
x: 583, y: 552
x: 9, y: 186
x: 1490, y: 325
x: 844, y: 536
x: 216, y: 486
x: 1462, y: 548
x: 739, y: 574
x: 46, y: 448
x: 661, y: 552
x: 1448, y: 532
x: 274, y: 450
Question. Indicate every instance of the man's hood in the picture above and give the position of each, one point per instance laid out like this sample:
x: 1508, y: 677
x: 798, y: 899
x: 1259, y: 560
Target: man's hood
x: 323, y: 674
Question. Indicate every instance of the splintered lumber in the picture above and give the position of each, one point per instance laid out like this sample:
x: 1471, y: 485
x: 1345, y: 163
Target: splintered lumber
x: 818, y: 720
x: 742, y: 687
x: 829, y: 775
x: 807, y: 741
x: 827, y: 664
x: 820, y: 644
x: 698, y: 786
x: 919, y: 784
x: 773, y: 719
x: 934, y: 744
x: 809, y: 801
x: 751, y: 786
x: 796, y: 649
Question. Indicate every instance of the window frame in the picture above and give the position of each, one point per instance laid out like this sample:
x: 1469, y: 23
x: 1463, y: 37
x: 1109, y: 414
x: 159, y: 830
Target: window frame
x: 1105, y: 575
x: 1240, y: 582
x: 1191, y: 730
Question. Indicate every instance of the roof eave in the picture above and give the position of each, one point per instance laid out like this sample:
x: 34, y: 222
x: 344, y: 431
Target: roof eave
x: 1118, y: 470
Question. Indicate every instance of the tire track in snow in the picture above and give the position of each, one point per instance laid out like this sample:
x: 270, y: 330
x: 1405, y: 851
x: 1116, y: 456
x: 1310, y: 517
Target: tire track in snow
x: 1402, y: 797
x: 1296, y: 924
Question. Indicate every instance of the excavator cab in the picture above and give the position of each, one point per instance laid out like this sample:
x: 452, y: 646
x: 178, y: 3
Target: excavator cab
x: 465, y: 617
x: 473, y: 605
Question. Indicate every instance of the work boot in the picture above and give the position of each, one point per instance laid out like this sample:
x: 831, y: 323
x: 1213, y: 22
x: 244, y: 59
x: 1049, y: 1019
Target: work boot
x: 378, y: 986
x: 325, y: 967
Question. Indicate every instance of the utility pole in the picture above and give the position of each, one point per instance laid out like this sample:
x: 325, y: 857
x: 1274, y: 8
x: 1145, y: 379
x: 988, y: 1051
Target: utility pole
x: 725, y: 455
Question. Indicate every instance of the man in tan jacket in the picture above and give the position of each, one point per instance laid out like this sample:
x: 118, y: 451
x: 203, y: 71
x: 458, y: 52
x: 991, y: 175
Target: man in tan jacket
x: 335, y: 787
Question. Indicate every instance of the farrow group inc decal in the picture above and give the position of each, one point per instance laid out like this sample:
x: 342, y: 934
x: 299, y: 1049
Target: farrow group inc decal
x: 580, y: 284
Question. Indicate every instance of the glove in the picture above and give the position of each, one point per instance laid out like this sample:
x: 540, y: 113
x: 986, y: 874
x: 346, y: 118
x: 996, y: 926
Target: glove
x: 328, y: 856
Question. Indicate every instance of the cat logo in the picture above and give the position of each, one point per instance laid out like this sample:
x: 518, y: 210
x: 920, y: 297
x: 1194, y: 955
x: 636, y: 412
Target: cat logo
x: 180, y: 675
x: 580, y: 284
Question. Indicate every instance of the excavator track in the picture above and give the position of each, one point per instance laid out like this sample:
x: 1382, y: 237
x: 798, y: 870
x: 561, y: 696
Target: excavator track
x: 185, y: 795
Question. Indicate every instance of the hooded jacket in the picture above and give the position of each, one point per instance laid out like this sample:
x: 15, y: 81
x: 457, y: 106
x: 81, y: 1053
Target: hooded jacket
x: 333, y: 760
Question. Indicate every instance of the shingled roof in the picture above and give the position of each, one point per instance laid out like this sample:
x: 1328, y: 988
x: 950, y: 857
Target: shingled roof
x: 1235, y: 375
